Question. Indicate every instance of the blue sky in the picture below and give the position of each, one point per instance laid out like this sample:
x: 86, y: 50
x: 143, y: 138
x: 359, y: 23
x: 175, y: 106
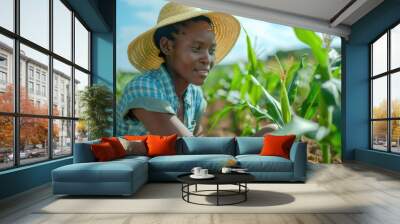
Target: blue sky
x: 135, y: 17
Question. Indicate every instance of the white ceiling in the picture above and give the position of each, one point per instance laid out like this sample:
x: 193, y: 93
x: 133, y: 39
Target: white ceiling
x: 325, y: 16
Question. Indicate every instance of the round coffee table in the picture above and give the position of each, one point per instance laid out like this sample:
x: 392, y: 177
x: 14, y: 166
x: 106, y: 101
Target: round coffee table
x: 238, y: 179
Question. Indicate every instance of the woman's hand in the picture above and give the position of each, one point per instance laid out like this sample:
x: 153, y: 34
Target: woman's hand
x: 161, y: 123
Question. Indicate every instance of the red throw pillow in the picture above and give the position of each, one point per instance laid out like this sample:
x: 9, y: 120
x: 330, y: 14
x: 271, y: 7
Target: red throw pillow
x: 116, y: 145
x: 103, y: 151
x: 277, y: 145
x: 161, y: 145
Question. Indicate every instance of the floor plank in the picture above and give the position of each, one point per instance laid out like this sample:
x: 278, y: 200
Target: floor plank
x: 377, y: 189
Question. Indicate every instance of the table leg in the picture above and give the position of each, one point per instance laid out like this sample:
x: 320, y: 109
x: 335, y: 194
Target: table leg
x: 196, y: 188
x: 245, y: 193
x: 217, y: 194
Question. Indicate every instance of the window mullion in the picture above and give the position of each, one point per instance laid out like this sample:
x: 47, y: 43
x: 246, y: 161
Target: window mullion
x: 389, y: 149
x: 16, y: 84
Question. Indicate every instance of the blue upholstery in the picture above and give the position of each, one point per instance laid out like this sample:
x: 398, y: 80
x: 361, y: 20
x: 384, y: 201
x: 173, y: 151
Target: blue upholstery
x: 257, y: 163
x: 125, y: 176
x: 83, y: 152
x: 249, y: 145
x: 119, y: 177
x: 298, y: 155
x: 184, y: 163
x: 206, y: 145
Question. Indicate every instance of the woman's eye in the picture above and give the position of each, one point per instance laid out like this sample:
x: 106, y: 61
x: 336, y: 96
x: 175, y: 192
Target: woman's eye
x: 195, y: 49
x: 212, y: 51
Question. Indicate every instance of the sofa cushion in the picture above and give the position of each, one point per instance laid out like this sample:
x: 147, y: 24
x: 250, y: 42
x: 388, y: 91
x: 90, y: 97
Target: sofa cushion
x: 206, y: 145
x: 249, y: 145
x: 185, y: 163
x: 159, y: 145
x: 116, y: 145
x: 257, y: 163
x: 103, y: 152
x: 114, y: 171
x: 275, y: 145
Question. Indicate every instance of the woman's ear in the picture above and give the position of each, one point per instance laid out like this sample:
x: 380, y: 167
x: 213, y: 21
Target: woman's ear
x: 166, y: 46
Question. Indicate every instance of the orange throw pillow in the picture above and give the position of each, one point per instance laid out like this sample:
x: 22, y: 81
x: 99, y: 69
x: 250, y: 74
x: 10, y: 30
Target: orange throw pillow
x: 103, y: 151
x: 116, y: 145
x: 161, y: 145
x: 277, y: 145
x: 135, y: 137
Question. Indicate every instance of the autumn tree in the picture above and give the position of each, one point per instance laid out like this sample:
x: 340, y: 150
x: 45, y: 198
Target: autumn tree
x: 33, y: 130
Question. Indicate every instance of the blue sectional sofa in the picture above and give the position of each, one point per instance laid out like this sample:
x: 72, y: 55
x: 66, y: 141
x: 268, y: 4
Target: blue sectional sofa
x: 125, y: 176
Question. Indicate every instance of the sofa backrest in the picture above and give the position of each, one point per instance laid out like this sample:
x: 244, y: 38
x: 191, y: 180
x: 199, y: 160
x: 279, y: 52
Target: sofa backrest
x: 249, y: 145
x: 206, y: 145
x: 83, y: 152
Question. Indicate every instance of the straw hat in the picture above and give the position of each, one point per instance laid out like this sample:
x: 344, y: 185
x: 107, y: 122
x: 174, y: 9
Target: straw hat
x: 143, y: 53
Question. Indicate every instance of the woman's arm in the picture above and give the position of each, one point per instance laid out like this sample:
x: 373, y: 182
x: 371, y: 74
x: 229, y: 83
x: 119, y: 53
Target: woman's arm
x: 161, y: 123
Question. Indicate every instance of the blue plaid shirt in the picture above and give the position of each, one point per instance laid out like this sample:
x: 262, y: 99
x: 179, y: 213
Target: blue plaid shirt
x: 155, y: 91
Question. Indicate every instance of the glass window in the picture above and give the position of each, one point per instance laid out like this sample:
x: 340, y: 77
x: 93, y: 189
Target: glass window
x: 395, y: 47
x: 7, y: 14
x: 30, y: 72
x: 81, y: 131
x: 6, y: 142
x: 385, y: 125
x: 379, y: 56
x: 62, y: 74
x: 3, y: 60
x: 379, y: 135
x: 62, y: 29
x: 33, y: 140
x: 34, y: 80
x: 379, y: 98
x: 34, y: 21
x: 6, y: 73
x: 62, y: 137
x: 81, y: 81
x: 395, y: 95
x: 30, y: 87
x: 395, y: 136
x: 81, y: 45
x: 40, y: 62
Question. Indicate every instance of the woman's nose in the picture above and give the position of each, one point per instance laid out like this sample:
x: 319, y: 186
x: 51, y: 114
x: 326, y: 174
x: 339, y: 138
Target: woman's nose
x: 207, y: 58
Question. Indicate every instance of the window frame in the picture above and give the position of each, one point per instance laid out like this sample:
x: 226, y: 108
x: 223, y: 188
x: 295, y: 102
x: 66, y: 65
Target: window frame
x: 16, y: 115
x: 388, y: 74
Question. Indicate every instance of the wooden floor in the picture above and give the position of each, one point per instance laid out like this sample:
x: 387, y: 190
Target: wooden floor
x: 378, y: 188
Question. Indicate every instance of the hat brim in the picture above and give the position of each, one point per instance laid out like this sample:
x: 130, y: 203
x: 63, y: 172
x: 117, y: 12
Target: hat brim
x: 143, y: 53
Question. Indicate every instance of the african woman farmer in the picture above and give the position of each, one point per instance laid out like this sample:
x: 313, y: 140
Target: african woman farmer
x: 175, y: 58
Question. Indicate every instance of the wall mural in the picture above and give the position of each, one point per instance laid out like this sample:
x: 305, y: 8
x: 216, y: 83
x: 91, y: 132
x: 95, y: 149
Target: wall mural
x: 214, y: 74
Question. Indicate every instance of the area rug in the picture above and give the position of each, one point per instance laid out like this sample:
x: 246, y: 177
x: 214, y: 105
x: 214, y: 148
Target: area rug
x: 167, y: 198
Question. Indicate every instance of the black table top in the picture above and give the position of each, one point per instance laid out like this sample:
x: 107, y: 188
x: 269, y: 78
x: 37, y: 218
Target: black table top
x: 220, y: 178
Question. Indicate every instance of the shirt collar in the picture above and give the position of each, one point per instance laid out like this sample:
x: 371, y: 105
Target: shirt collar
x: 167, y: 76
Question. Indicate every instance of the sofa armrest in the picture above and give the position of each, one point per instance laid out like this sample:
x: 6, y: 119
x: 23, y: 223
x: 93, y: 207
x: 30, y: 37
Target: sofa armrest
x: 298, y: 155
x: 83, y: 152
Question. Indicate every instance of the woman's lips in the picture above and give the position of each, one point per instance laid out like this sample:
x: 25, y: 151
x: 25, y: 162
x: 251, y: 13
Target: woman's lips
x: 202, y: 73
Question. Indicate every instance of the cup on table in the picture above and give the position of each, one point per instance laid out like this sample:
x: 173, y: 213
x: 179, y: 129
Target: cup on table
x: 203, y: 172
x: 196, y: 171
x: 226, y: 170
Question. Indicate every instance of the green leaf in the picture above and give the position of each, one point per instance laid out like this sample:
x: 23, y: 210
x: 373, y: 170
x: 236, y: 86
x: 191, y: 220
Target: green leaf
x: 309, y: 104
x: 251, y: 55
x: 298, y: 126
x: 285, y: 106
x: 330, y: 91
x: 216, y: 117
x: 315, y: 43
x: 237, y: 78
x: 272, y: 106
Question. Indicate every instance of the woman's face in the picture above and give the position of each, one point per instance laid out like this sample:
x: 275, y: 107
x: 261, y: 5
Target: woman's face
x: 192, y: 53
